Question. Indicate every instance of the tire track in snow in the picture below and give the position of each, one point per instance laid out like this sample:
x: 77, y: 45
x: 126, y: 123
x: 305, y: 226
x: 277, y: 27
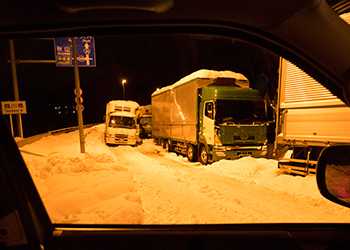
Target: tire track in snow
x: 191, y: 197
x: 174, y: 191
x: 158, y: 209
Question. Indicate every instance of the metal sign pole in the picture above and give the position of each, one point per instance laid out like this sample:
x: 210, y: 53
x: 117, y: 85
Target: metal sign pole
x: 13, y: 134
x: 15, y: 85
x: 77, y: 87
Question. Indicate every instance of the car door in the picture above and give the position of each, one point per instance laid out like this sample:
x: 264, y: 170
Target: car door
x: 278, y: 25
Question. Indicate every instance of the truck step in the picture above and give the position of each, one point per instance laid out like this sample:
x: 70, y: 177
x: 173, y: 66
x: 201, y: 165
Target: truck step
x: 297, y: 166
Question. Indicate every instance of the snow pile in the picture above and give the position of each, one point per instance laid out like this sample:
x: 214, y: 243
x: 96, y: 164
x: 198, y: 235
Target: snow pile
x: 83, y: 188
x: 265, y: 173
x: 205, y: 73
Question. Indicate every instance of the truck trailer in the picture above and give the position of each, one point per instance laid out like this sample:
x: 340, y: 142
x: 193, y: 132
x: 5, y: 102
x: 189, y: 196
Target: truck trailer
x: 209, y: 116
x: 310, y: 119
x: 145, y: 121
x: 121, y: 123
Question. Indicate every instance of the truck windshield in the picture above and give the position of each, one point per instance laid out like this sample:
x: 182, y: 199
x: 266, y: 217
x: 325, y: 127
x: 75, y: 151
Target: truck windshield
x: 240, y: 112
x: 146, y: 120
x: 122, y: 122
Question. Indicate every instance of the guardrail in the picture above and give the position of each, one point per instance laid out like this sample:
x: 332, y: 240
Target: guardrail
x: 34, y: 138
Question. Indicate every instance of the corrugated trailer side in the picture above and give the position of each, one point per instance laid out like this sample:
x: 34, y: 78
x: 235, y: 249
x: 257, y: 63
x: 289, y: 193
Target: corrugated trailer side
x: 161, y: 115
x: 311, y: 118
x: 174, y: 110
x: 323, y: 125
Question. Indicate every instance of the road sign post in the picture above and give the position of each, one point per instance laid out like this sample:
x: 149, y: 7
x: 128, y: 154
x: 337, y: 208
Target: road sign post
x: 16, y: 108
x: 78, y: 98
x: 76, y: 52
x: 85, y: 47
x: 15, y: 87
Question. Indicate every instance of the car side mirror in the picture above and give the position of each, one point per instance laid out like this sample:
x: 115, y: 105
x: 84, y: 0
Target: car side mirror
x: 333, y: 174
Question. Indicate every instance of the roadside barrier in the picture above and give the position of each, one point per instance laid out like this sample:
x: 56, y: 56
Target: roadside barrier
x: 24, y: 141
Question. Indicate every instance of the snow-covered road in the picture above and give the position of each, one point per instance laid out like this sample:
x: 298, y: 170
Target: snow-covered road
x: 147, y: 185
x: 175, y: 191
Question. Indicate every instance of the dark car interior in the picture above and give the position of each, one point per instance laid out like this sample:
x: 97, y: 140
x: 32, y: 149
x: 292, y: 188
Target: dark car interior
x: 309, y: 33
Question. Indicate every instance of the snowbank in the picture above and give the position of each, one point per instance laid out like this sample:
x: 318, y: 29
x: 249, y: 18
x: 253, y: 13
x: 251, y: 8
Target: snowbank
x: 83, y: 188
x: 265, y: 173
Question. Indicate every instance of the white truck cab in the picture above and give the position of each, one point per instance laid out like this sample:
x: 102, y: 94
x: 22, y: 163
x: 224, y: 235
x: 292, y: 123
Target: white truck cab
x: 122, y: 127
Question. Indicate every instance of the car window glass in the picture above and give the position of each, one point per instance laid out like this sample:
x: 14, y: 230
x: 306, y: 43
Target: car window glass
x: 125, y: 178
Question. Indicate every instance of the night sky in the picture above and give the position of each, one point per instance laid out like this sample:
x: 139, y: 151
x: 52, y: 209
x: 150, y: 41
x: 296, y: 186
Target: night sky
x: 147, y: 63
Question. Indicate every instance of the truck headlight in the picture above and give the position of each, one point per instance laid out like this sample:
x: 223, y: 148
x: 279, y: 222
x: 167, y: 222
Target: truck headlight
x: 217, y: 140
x: 263, y: 153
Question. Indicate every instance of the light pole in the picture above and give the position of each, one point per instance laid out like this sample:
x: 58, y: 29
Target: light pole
x: 123, y: 82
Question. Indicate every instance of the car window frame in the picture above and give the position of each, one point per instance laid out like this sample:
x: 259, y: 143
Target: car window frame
x: 27, y: 202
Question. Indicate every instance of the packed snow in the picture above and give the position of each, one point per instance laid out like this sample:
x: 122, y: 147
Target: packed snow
x: 241, y: 80
x: 148, y: 185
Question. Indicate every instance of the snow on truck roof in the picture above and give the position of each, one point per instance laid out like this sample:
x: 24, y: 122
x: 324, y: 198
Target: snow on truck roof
x: 122, y: 107
x: 203, y: 73
x: 124, y: 103
x: 122, y: 113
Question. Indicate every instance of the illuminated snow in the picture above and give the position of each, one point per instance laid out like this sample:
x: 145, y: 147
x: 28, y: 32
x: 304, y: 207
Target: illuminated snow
x: 147, y: 185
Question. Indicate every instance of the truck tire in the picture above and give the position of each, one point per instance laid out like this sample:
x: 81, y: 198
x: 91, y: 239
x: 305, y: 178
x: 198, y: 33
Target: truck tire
x: 166, y: 145
x: 163, y: 143
x: 191, y: 153
x: 203, y: 155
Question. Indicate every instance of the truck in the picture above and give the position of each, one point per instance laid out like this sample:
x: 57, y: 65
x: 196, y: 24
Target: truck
x: 121, y: 123
x: 145, y: 121
x: 309, y: 119
x: 210, y: 115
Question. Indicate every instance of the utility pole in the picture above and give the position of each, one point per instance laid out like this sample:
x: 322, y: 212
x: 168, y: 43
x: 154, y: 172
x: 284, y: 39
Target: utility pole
x: 123, y: 82
x: 77, y: 88
x: 15, y: 85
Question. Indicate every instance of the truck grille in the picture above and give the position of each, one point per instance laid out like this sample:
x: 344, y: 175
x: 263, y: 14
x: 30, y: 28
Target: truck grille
x: 121, y: 136
x: 237, y: 137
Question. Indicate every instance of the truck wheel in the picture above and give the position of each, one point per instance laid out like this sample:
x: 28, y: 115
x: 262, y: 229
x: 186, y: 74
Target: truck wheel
x: 166, y: 145
x: 203, y: 157
x: 191, y: 153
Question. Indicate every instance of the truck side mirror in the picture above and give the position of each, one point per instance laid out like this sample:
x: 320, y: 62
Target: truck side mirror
x: 333, y: 174
x: 271, y: 113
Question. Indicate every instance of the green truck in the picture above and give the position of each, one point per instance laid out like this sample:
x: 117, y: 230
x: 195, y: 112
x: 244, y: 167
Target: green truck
x: 209, y: 116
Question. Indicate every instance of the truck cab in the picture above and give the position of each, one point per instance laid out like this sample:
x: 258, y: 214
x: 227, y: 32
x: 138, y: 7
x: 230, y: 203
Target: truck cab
x: 122, y: 127
x: 233, y: 123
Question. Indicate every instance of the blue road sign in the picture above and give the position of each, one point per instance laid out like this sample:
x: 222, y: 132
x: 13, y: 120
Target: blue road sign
x: 85, y: 51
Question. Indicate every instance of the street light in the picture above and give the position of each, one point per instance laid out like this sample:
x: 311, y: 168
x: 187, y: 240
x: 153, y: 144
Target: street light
x: 123, y: 82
